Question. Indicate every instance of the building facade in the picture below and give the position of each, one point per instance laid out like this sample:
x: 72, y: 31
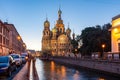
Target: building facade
x: 4, y: 39
x: 16, y: 43
x: 56, y: 41
x: 115, y: 34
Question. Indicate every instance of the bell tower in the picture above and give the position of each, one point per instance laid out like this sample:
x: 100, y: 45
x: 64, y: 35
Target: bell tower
x: 59, y: 25
x: 46, y: 36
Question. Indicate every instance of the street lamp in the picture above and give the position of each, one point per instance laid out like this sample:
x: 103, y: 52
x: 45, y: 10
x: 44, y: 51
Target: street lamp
x: 75, y: 51
x: 103, y: 46
x: 18, y: 37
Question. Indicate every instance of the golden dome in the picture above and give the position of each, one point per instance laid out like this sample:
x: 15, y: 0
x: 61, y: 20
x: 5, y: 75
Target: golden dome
x: 54, y: 30
x: 63, y: 38
x: 68, y: 30
x: 46, y: 23
x: 59, y: 12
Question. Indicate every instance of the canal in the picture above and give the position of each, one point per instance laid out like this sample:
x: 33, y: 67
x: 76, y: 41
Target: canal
x: 49, y: 70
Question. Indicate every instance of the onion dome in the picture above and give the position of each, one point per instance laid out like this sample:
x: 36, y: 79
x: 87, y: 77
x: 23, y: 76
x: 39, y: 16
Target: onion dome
x: 63, y: 38
x: 68, y: 30
x: 46, y: 23
x: 59, y: 12
x: 54, y: 30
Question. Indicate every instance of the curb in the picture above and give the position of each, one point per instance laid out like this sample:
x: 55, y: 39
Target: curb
x: 23, y: 74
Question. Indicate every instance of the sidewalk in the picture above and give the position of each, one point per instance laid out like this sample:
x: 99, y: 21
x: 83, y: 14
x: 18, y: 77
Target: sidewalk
x: 23, y: 74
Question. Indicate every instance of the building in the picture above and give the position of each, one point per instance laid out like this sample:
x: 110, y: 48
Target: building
x: 31, y: 52
x: 58, y: 40
x: 115, y: 34
x: 4, y: 39
x: 38, y: 53
x: 16, y: 43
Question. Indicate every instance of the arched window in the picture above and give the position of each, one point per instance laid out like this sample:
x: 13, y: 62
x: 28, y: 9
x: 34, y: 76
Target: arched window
x: 60, y: 29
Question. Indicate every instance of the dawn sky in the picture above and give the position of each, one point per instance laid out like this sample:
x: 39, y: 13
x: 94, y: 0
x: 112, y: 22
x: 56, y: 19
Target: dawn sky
x: 28, y: 16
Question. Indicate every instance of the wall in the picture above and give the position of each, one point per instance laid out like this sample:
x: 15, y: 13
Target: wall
x: 102, y: 65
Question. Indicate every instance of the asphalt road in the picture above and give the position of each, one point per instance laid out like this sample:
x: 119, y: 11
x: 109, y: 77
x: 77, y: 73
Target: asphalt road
x: 3, y: 77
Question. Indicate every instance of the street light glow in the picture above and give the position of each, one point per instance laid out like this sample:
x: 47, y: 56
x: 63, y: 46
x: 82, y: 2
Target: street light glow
x: 103, y: 45
x: 18, y: 37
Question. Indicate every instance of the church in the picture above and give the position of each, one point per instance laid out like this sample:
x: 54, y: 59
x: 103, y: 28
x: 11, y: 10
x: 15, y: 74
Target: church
x: 57, y: 41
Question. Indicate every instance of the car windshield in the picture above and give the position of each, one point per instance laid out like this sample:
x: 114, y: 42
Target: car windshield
x: 3, y: 59
x: 23, y: 56
x: 15, y: 56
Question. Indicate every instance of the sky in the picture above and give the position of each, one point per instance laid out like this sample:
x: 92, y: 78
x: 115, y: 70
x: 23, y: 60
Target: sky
x: 28, y: 16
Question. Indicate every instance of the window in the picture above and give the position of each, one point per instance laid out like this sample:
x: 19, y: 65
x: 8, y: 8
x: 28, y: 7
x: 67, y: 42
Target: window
x: 7, y: 42
x: 4, y: 31
x: 3, y: 40
x: 7, y: 33
x: 60, y: 30
x: 119, y: 46
x: 0, y: 38
x: 0, y: 29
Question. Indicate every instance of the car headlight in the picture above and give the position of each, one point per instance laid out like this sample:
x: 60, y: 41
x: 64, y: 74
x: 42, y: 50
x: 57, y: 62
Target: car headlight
x: 26, y: 57
x: 4, y: 68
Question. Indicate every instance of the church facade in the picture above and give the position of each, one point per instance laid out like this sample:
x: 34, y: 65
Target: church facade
x: 58, y: 40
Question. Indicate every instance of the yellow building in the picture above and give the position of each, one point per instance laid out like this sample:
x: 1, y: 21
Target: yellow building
x: 115, y: 34
x: 56, y: 41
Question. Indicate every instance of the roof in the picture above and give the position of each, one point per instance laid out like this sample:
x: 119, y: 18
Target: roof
x: 31, y: 51
x: 118, y: 16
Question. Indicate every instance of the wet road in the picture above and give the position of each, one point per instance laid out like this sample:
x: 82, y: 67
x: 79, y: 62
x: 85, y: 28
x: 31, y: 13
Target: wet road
x: 3, y: 77
x: 49, y: 70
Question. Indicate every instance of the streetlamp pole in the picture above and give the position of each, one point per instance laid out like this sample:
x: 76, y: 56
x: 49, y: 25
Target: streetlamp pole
x: 103, y: 46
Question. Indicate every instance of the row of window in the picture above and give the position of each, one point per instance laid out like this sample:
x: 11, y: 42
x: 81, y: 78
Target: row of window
x: 4, y: 40
x: 64, y: 50
x: 4, y: 31
x: 46, y: 33
x: 61, y: 50
x: 63, y: 44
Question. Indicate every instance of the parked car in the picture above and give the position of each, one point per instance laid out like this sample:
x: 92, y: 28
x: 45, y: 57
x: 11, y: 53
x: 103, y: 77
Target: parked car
x: 17, y: 58
x: 24, y: 57
x: 7, y: 65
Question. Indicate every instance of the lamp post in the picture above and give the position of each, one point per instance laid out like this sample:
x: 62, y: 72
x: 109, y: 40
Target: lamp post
x: 75, y: 50
x: 75, y: 53
x: 103, y: 47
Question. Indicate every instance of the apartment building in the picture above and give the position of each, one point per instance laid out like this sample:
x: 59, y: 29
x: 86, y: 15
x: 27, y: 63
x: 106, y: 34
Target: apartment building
x: 16, y: 43
x: 4, y: 39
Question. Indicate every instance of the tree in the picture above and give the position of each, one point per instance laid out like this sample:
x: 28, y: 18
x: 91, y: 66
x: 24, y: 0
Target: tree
x: 94, y: 37
x: 75, y: 45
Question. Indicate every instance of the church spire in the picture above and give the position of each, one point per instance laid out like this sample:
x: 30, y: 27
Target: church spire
x: 59, y: 13
x: 46, y: 17
x: 73, y: 35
